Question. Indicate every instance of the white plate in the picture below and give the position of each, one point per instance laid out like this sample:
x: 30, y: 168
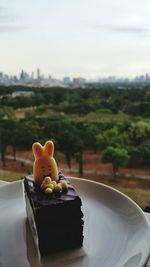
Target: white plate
x: 117, y: 233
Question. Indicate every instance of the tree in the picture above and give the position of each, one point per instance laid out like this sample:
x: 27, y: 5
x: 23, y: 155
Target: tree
x: 144, y: 149
x: 7, y: 112
x: 14, y: 136
x: 111, y: 137
x: 5, y: 137
x: 70, y: 142
x: 90, y: 136
x: 117, y: 157
x: 28, y: 132
x: 79, y: 159
x: 138, y: 132
x: 144, y: 152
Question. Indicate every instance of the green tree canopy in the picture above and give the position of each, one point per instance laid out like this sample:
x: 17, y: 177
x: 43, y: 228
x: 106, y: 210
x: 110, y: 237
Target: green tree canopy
x: 116, y: 156
x: 144, y: 150
x: 111, y: 137
x: 138, y: 132
x: 69, y: 141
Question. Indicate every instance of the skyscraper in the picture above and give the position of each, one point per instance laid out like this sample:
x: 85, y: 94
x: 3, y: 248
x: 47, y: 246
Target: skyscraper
x: 38, y: 74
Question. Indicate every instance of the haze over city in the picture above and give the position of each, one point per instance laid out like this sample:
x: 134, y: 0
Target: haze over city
x: 87, y: 38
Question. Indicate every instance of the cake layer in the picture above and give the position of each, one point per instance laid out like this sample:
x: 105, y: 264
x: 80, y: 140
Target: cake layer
x: 56, y: 220
x: 54, y: 237
x: 59, y: 245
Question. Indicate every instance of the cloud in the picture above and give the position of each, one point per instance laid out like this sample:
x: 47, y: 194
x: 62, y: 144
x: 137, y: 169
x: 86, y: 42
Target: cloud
x: 123, y: 29
x: 6, y: 18
x: 9, y: 22
x: 11, y: 28
x: 132, y: 29
x: 6, y: 14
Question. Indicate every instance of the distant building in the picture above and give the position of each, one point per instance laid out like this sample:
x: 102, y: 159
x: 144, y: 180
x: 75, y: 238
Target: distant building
x: 24, y: 77
x: 78, y: 82
x: 66, y: 80
x: 38, y: 74
x: 1, y: 77
x: 147, y: 78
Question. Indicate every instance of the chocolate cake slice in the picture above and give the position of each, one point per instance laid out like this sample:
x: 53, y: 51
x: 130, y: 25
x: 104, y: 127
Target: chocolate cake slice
x: 55, y: 219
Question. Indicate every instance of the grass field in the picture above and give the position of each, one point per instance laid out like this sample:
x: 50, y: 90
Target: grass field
x: 10, y: 176
x: 140, y: 196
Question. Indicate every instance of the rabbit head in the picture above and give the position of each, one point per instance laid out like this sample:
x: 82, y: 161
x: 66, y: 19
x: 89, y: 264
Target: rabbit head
x: 44, y: 163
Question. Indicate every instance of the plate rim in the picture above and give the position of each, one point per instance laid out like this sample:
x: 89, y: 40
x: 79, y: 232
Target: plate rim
x: 124, y: 196
x: 113, y: 190
x: 141, y: 212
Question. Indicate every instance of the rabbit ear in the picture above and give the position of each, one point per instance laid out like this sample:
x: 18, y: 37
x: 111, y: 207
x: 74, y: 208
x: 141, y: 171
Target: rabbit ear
x: 49, y: 148
x: 37, y: 150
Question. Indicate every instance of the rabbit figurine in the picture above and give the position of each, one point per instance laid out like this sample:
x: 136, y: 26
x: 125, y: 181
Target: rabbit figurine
x: 44, y: 164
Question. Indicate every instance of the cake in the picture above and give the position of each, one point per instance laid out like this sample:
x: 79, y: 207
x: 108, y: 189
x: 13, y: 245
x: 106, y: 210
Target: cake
x: 52, y: 204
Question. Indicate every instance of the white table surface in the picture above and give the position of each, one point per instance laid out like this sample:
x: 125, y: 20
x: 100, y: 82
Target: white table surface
x: 147, y: 214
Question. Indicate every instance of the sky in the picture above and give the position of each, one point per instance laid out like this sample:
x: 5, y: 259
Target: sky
x: 86, y: 38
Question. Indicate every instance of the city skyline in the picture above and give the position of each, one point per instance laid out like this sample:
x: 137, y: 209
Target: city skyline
x: 88, y: 38
x: 38, y: 73
x: 38, y: 79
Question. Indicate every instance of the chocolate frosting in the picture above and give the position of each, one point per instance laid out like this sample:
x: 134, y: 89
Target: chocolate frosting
x: 40, y: 199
